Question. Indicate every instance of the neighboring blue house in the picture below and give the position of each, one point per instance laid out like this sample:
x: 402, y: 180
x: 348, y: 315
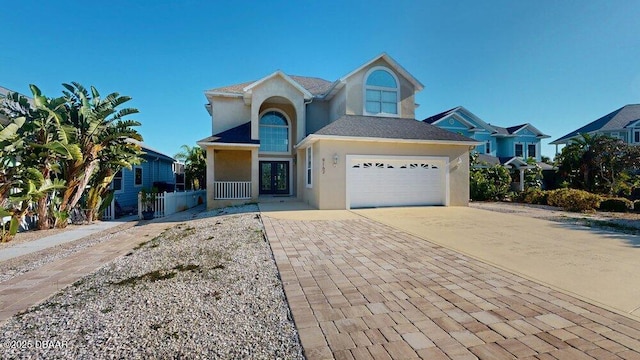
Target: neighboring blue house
x: 509, y: 146
x: 623, y: 124
x: 156, y: 170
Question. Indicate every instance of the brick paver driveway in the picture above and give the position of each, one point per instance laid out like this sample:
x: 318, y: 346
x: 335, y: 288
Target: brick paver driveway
x: 360, y: 289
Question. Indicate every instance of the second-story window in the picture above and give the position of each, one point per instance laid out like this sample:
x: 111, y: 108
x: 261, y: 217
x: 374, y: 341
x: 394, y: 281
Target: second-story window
x: 274, y: 132
x: 531, y: 150
x: 381, y: 93
x: 487, y: 147
x: 519, y: 150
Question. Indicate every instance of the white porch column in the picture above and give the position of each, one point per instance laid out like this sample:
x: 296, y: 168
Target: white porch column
x: 255, y: 175
x: 521, y: 179
x: 210, y: 176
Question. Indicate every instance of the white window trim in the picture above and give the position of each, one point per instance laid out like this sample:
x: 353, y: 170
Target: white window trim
x: 365, y: 87
x: 633, y: 135
x: 523, y: 149
x: 289, y: 130
x: 134, y: 176
x: 536, y: 150
x: 309, y: 167
x: 121, y: 183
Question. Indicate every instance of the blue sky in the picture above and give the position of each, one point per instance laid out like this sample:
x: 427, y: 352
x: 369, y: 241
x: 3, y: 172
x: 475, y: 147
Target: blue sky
x: 554, y: 64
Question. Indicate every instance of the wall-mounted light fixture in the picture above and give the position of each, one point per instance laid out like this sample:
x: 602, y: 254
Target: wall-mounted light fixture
x: 335, y: 160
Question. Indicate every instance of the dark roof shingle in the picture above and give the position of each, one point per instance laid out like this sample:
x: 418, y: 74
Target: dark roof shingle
x: 240, y: 134
x: 615, y: 120
x: 314, y: 85
x: 388, y: 128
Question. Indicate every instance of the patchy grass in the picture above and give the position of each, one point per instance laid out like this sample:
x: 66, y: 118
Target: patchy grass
x: 151, y: 276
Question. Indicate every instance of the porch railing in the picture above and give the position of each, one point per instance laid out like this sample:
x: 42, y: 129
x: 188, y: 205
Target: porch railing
x: 230, y: 190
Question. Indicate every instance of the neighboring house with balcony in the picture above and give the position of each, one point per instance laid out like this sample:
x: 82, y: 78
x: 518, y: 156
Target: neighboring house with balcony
x: 623, y: 124
x: 509, y: 146
x: 342, y: 144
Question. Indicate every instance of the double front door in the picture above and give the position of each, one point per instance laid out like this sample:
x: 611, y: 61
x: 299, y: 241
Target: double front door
x: 274, y: 177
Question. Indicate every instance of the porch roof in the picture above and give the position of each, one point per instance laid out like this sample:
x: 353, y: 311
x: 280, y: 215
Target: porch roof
x: 238, y: 135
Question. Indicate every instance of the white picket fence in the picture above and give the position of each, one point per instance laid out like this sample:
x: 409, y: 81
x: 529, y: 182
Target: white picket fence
x: 110, y: 212
x: 168, y: 203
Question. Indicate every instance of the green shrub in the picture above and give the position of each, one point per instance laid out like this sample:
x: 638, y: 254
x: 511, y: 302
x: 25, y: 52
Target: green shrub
x: 489, y: 183
x: 616, y: 204
x: 636, y: 206
x: 534, y: 196
x: 574, y: 200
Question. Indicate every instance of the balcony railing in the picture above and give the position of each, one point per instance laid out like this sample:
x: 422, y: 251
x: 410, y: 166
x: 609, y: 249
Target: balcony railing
x: 232, y: 190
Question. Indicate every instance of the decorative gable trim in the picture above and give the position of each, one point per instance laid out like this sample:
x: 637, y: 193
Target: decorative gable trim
x: 539, y: 134
x: 393, y: 64
x: 248, y: 89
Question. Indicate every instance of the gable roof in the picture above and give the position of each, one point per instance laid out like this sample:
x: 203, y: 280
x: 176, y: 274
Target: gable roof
x: 287, y: 78
x: 389, y: 128
x: 149, y: 151
x: 493, y: 129
x: 616, y: 120
x: 315, y: 86
x: 436, y: 117
x: 240, y: 134
x: 394, y: 64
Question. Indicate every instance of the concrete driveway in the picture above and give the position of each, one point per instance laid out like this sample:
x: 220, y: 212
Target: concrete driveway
x: 360, y: 289
x: 598, y: 266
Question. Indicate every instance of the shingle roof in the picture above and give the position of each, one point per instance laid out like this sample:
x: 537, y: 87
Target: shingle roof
x: 615, y: 120
x: 436, y: 117
x: 314, y: 85
x: 388, y: 128
x: 240, y: 134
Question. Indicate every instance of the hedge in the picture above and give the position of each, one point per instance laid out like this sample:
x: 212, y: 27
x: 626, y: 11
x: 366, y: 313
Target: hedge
x: 574, y: 200
x: 616, y: 205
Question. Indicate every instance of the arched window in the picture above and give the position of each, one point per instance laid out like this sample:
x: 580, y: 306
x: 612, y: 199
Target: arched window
x: 274, y: 132
x: 381, y: 92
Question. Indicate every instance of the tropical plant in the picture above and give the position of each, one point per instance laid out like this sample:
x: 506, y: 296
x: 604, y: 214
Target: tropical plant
x: 103, y: 137
x: 44, y: 143
x: 488, y: 182
x: 195, y: 162
x: 595, y: 163
x: 533, y: 176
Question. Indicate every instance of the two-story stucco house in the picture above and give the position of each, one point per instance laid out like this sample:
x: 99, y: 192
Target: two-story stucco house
x: 623, y: 124
x: 509, y: 146
x: 342, y: 144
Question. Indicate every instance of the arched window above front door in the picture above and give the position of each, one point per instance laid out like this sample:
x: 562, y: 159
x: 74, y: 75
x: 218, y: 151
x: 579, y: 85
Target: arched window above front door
x: 381, y: 92
x: 274, y: 132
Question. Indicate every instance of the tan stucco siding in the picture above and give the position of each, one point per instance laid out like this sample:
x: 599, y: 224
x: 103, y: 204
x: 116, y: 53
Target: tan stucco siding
x: 317, y: 116
x: 227, y: 113
x: 232, y: 165
x: 278, y: 88
x: 329, y: 188
x: 354, y: 94
x: 338, y: 105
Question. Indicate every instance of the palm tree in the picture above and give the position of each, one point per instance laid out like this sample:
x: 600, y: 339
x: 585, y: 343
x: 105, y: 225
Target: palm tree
x: 101, y: 133
x: 44, y: 143
x: 195, y: 164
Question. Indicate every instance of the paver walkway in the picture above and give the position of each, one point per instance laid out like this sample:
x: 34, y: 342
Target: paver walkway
x: 360, y: 289
x: 21, y: 292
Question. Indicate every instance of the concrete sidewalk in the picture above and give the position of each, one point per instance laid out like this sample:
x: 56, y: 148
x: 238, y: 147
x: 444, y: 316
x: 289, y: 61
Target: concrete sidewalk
x: 60, y: 238
x: 33, y: 287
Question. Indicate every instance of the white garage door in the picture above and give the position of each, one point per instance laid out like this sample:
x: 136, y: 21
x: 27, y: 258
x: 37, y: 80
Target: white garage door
x: 395, y: 181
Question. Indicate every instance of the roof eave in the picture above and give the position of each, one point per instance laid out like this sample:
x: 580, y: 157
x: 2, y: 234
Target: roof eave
x: 310, y: 139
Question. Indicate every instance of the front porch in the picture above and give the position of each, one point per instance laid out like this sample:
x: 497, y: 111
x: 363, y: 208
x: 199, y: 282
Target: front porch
x: 238, y: 175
